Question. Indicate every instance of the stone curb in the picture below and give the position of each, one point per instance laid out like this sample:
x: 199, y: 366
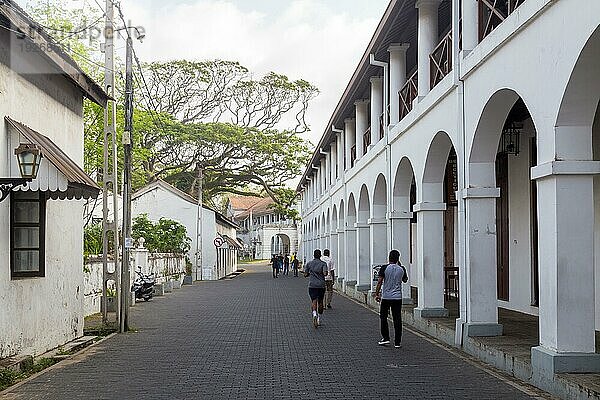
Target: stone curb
x: 9, y: 389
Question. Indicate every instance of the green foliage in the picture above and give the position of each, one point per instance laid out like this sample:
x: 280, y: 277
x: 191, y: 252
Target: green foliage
x: 66, y: 26
x: 164, y: 236
x: 9, y: 377
x: 92, y: 240
x: 287, y: 198
x: 210, y: 114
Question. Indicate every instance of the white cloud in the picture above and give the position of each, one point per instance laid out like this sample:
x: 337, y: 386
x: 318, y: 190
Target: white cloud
x: 306, y: 40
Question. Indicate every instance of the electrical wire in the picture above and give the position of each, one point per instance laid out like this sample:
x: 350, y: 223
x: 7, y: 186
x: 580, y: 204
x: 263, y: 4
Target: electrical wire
x: 71, y: 33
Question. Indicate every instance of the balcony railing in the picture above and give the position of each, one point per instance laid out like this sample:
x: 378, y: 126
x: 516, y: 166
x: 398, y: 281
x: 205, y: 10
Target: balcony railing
x: 407, y: 94
x: 366, y: 140
x: 352, y: 156
x: 381, y: 133
x: 493, y: 12
x: 440, y: 60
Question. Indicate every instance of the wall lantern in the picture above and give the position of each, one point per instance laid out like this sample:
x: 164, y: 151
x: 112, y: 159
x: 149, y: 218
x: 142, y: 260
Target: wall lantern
x: 29, y: 157
x: 510, y: 140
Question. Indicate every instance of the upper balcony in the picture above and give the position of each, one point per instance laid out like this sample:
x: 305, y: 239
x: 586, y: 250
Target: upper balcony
x: 493, y: 12
x: 415, y: 41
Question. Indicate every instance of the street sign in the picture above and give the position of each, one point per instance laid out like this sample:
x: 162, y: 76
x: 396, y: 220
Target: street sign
x: 218, y: 242
x: 128, y: 243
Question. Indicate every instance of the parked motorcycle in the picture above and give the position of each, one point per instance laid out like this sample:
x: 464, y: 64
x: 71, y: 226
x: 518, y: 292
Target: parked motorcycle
x: 143, y: 285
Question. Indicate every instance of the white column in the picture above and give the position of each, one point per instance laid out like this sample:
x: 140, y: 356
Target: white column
x: 325, y: 164
x: 340, y: 155
x: 427, y: 40
x: 333, y: 163
x: 341, y: 255
x: 333, y: 248
x: 362, y: 123
x: 470, y: 25
x: 566, y: 265
x: 321, y: 173
x: 430, y: 259
x: 379, y: 245
x: 401, y: 241
x: 350, y: 138
x: 363, y: 250
x: 351, y: 262
x: 397, y: 78
x: 321, y: 177
x: 481, y: 261
x: 376, y: 107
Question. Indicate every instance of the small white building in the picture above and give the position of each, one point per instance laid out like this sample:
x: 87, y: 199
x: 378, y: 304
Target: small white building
x: 217, y: 241
x: 41, y: 226
x: 262, y: 231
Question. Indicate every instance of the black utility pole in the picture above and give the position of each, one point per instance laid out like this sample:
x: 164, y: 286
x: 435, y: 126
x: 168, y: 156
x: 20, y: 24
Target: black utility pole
x: 127, y: 143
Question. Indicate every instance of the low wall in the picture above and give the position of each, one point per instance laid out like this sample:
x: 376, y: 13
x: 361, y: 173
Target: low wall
x: 164, y: 267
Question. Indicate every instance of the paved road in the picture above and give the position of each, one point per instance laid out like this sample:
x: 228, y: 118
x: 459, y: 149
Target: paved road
x: 251, y: 338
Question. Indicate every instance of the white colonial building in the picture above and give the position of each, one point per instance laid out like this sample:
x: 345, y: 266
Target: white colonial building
x: 477, y: 158
x: 210, y: 233
x: 41, y: 227
x: 262, y: 230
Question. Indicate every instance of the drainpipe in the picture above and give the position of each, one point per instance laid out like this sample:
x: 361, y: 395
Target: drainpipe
x: 388, y: 151
x: 461, y: 144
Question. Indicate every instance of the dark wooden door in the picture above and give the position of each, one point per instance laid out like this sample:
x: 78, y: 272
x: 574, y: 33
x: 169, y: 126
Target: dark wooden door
x: 449, y: 237
x: 450, y: 188
x: 535, y: 287
x: 502, y: 226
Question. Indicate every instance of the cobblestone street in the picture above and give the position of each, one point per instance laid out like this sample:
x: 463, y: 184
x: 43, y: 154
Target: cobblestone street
x: 252, y: 338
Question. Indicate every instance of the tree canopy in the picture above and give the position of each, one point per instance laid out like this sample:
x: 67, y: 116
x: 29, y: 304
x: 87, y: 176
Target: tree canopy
x: 244, y: 133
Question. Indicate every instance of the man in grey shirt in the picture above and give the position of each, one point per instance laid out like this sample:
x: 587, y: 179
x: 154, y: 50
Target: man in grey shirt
x: 316, y: 271
x: 391, y: 277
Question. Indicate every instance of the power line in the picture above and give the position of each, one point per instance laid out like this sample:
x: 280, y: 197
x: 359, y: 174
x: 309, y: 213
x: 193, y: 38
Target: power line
x: 71, y: 33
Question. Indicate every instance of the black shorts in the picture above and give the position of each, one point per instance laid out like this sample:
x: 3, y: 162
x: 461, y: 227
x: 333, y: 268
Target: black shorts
x: 316, y: 293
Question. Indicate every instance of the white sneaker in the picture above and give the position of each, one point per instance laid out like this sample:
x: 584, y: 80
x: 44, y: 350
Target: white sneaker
x: 383, y: 342
x: 315, y: 320
x: 318, y: 321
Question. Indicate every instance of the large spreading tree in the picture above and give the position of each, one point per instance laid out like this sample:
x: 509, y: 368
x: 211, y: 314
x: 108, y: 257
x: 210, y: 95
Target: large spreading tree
x: 242, y: 132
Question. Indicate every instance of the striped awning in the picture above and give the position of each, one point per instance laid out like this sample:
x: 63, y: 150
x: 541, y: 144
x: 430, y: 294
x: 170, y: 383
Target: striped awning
x: 58, y: 175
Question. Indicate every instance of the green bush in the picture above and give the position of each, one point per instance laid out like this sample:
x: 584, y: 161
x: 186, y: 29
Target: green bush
x: 164, y: 236
x: 92, y: 240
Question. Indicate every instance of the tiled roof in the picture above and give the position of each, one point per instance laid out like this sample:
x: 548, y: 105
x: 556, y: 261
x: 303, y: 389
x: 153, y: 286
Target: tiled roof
x: 243, y: 202
x: 258, y: 205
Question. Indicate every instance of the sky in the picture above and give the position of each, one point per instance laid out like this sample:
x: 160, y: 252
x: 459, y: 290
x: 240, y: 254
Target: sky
x: 320, y: 41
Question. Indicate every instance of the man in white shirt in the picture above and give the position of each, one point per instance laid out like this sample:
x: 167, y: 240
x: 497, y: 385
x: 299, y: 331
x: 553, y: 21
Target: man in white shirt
x: 330, y: 278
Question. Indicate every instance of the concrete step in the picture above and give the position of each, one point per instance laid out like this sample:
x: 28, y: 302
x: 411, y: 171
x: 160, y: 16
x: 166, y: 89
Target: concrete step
x: 16, y: 363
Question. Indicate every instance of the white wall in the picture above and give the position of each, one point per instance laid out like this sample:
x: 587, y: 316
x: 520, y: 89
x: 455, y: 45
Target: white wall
x: 596, y: 152
x: 162, y: 266
x: 160, y: 203
x: 42, y: 313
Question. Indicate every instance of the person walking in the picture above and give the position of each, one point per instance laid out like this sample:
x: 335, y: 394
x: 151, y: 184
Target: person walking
x: 286, y: 264
x: 330, y: 278
x: 295, y: 264
x: 274, y: 262
x: 389, y: 293
x: 316, y: 271
x: 276, y: 265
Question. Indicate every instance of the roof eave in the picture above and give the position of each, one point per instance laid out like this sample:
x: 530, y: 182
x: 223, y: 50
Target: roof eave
x: 349, y: 91
x: 57, y: 56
